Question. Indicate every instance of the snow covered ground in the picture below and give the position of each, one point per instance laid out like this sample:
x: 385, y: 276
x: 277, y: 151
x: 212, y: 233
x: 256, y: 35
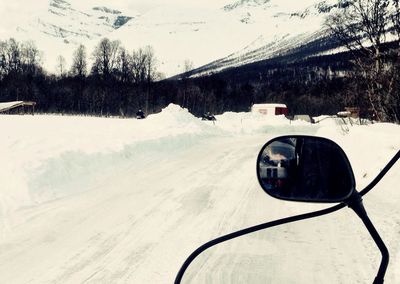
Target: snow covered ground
x: 95, y: 200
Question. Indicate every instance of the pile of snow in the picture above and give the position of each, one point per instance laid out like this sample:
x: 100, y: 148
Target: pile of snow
x: 47, y: 157
x: 253, y: 123
x: 177, y: 118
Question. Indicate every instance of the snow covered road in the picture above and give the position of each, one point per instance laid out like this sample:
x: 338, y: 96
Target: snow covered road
x: 137, y: 214
x: 140, y: 224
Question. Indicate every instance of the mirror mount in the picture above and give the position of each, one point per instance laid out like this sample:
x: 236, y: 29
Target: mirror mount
x: 314, y: 169
x: 355, y: 202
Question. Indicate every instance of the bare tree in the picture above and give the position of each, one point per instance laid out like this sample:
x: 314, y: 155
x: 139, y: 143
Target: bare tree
x: 139, y: 58
x: 150, y: 66
x: 19, y: 58
x: 105, y: 57
x: 188, y: 65
x: 30, y: 57
x: 124, y: 76
x: 3, y: 58
x: 144, y: 69
x: 124, y: 65
x: 151, y: 62
x: 61, y: 66
x: 363, y: 27
x: 79, y: 62
x: 79, y: 70
x: 13, y: 56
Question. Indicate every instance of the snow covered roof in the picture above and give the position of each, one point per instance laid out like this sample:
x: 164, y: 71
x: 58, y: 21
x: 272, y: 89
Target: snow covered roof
x: 10, y: 105
x: 269, y: 105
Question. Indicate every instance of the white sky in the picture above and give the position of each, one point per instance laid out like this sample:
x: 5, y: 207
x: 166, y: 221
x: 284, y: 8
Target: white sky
x: 12, y: 12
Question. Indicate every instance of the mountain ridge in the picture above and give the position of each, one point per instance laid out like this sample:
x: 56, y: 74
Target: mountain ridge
x: 224, y: 31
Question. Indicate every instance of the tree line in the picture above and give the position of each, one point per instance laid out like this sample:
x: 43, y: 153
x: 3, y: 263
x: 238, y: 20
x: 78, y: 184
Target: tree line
x: 117, y: 83
x: 120, y: 82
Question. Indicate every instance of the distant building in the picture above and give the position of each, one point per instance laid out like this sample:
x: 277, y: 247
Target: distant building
x: 270, y: 109
x: 354, y: 112
x: 17, y: 107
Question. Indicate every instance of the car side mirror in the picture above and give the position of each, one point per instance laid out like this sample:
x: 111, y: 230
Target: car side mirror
x: 305, y: 168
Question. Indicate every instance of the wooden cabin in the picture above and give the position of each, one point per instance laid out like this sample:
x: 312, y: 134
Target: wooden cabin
x: 17, y: 107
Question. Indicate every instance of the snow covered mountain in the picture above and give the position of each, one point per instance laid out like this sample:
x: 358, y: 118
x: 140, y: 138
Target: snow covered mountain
x: 101, y: 20
x: 239, y: 31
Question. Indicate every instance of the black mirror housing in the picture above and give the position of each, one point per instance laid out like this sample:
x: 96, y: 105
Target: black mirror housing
x: 305, y: 168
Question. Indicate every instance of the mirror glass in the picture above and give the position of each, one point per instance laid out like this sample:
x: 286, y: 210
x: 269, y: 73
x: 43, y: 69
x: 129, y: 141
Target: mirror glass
x: 305, y: 168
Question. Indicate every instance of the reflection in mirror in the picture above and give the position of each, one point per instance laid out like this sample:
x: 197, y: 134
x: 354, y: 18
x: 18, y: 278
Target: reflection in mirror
x: 305, y: 168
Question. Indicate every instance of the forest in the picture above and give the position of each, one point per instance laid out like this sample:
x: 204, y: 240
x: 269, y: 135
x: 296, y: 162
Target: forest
x: 119, y: 83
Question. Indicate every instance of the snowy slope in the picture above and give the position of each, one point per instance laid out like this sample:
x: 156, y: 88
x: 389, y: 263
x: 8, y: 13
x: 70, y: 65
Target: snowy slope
x: 178, y: 30
x: 64, y: 22
x: 125, y: 201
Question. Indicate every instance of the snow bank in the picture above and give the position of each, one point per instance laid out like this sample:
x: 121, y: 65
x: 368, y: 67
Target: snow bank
x: 175, y: 120
x: 47, y: 157
x: 255, y: 123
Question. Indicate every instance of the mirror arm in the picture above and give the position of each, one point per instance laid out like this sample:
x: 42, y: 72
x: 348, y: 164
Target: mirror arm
x: 381, y: 174
x: 355, y: 203
x: 250, y: 230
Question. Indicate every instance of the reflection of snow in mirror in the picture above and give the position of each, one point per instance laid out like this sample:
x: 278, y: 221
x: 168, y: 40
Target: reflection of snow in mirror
x: 305, y: 169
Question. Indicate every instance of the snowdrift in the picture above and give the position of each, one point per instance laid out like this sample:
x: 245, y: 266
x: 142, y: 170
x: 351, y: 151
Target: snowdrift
x: 48, y: 157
